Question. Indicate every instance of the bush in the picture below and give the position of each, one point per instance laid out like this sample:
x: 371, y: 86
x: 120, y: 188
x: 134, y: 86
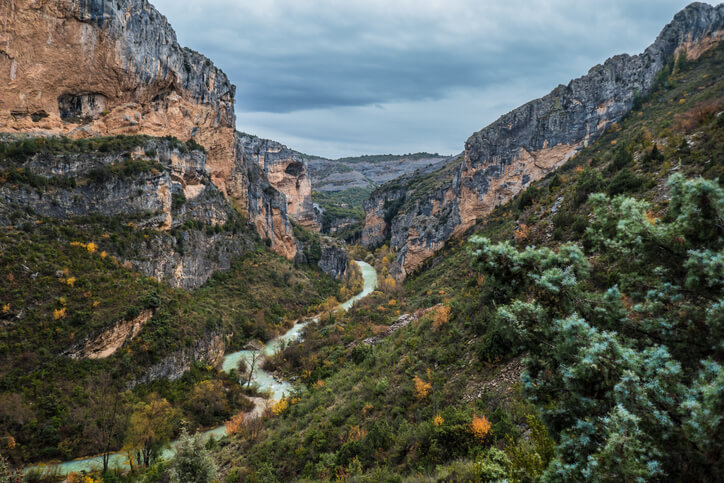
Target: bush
x: 589, y: 181
x: 192, y: 462
x: 624, y: 182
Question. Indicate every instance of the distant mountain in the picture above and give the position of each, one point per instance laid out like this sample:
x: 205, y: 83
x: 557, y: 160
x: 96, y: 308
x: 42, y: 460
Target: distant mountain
x: 365, y: 171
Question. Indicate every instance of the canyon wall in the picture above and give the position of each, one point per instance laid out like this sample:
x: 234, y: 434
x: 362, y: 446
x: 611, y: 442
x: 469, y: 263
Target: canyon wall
x: 287, y: 171
x: 528, y: 143
x: 158, y: 184
x: 85, y: 68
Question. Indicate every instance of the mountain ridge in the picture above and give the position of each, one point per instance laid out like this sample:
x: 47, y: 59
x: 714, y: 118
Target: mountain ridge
x: 533, y: 140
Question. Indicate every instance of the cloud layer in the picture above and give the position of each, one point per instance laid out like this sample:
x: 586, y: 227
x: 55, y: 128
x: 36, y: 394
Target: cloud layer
x: 337, y: 78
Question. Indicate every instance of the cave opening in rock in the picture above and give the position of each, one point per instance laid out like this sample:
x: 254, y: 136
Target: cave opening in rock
x: 295, y: 169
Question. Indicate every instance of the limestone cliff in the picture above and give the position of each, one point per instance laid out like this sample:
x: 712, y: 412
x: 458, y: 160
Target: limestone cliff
x: 208, y: 350
x: 325, y: 252
x: 159, y: 184
x: 530, y: 142
x: 86, y: 68
x: 287, y: 171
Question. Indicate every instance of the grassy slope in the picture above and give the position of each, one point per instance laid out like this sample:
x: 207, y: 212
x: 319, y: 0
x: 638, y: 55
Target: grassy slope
x: 365, y: 416
x: 42, y: 393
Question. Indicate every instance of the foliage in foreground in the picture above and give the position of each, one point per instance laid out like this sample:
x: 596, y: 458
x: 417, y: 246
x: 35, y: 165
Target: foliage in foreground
x: 624, y: 344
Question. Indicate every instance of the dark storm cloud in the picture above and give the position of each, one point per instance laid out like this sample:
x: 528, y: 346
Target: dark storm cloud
x: 348, y: 68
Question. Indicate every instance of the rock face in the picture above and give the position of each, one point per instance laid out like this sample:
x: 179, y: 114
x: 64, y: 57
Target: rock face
x: 86, y: 68
x: 99, y: 67
x: 209, y: 350
x: 334, y: 259
x: 380, y: 208
x: 266, y: 206
x: 327, y: 253
x: 159, y: 184
x: 531, y: 141
x: 110, y: 340
x: 287, y: 172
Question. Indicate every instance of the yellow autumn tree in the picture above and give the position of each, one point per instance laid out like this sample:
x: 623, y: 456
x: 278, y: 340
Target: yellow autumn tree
x: 422, y: 388
x: 441, y: 316
x: 389, y: 284
x: 438, y: 420
x: 280, y: 406
x: 480, y: 427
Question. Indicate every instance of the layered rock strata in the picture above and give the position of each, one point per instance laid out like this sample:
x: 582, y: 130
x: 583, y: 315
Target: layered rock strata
x: 159, y: 184
x: 287, y: 171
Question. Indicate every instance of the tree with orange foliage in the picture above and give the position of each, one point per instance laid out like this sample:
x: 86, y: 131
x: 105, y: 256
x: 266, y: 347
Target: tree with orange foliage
x: 480, y: 427
x: 522, y: 233
x: 422, y: 388
x: 441, y: 316
x: 236, y: 423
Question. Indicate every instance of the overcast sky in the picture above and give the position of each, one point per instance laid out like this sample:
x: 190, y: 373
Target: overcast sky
x: 349, y: 77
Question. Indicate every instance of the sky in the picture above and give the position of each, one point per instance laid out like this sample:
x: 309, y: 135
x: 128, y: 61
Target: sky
x: 349, y: 77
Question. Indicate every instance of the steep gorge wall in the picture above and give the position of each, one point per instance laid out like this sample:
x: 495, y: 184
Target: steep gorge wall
x: 535, y: 139
x: 85, y: 68
x: 287, y: 172
x: 176, y: 193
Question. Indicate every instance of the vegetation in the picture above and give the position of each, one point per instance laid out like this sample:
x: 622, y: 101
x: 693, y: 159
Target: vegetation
x: 23, y: 149
x: 576, y: 336
x: 622, y: 360
x: 342, y: 212
x: 192, y: 461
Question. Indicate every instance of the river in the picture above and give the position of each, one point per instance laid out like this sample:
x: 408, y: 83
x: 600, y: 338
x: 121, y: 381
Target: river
x: 261, y: 378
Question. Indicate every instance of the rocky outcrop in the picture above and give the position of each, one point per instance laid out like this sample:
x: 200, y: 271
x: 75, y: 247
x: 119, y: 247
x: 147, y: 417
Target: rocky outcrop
x: 535, y: 139
x: 208, y: 350
x: 110, y: 340
x: 325, y: 252
x: 334, y: 259
x: 85, y: 68
x: 267, y: 207
x: 99, y: 67
x: 158, y: 184
x: 380, y: 208
x: 287, y: 171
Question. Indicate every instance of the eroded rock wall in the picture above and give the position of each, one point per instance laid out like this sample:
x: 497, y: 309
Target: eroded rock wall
x: 98, y: 67
x: 158, y: 185
x: 533, y: 140
x: 84, y: 68
x: 208, y: 349
x: 287, y: 172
